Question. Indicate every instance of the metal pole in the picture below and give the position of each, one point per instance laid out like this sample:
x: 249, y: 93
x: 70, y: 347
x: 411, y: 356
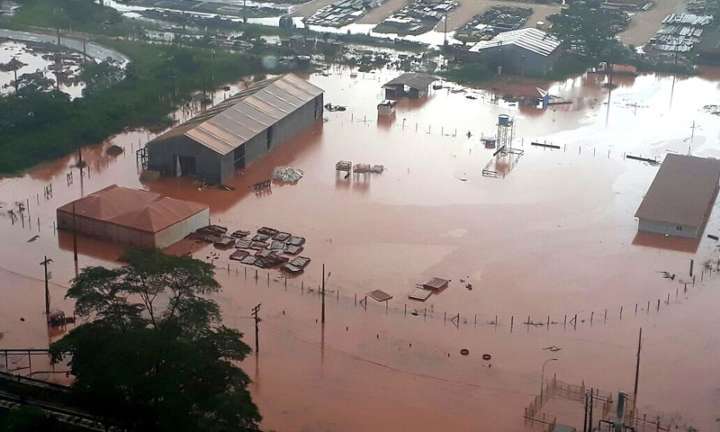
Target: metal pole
x: 637, y: 373
x: 322, y: 316
x: 256, y: 317
x: 45, y: 263
x: 542, y: 378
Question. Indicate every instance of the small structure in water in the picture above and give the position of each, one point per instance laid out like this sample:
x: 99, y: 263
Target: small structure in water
x: 411, y: 84
x: 386, y: 107
x: 133, y: 216
x: 681, y: 197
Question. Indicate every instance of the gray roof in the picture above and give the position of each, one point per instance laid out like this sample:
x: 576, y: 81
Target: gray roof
x: 531, y: 39
x: 418, y: 81
x: 237, y: 120
x: 682, y: 192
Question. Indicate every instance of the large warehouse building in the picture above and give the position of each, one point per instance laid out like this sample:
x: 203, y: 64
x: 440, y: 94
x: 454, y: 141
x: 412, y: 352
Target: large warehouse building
x: 238, y: 131
x: 681, y: 197
x: 134, y: 217
x: 527, y: 51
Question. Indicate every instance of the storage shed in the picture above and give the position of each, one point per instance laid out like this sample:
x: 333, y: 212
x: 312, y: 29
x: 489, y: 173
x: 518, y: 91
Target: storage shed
x: 229, y: 136
x: 410, y: 84
x: 680, y: 197
x: 133, y: 217
x: 527, y: 51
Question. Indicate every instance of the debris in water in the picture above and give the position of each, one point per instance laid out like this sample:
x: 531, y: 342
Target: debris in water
x: 464, y: 351
x: 333, y: 108
x: 380, y: 295
x: 552, y: 348
x: 486, y: 357
x: 115, y: 150
x: 287, y: 174
x: 33, y: 238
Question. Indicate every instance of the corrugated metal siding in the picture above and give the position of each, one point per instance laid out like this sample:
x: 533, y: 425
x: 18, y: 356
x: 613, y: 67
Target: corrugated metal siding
x: 529, y: 39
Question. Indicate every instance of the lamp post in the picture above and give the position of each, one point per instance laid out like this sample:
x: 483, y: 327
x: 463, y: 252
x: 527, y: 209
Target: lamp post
x: 542, y: 378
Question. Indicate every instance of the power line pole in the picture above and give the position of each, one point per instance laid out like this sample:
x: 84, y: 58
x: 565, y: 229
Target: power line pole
x: 637, y: 375
x: 45, y: 263
x: 255, y: 314
x: 75, y: 248
x: 322, y: 315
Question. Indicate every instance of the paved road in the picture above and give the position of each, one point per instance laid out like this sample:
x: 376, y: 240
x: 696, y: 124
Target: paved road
x: 97, y: 52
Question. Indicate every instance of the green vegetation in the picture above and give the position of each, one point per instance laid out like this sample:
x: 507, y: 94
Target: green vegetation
x: 588, y: 32
x: 38, y: 126
x: 77, y: 15
x: 155, y: 356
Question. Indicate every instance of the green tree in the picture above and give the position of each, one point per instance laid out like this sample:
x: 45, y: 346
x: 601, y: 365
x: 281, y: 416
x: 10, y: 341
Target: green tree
x: 589, y: 30
x: 154, y: 355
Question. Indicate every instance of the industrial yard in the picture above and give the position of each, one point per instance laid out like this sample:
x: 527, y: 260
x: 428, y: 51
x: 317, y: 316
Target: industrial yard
x: 527, y: 272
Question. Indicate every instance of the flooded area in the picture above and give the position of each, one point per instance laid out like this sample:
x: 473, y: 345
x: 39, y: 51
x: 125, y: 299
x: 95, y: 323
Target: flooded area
x: 37, y: 56
x: 544, y: 255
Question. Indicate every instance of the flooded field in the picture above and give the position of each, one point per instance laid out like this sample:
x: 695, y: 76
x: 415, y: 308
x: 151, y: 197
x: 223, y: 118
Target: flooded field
x: 546, y: 256
x: 35, y: 61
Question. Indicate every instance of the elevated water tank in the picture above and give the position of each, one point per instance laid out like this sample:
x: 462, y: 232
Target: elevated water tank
x: 504, y: 120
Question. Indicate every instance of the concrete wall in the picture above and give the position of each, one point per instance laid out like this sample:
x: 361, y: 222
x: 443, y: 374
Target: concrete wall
x: 665, y: 228
x: 216, y: 168
x: 175, y: 233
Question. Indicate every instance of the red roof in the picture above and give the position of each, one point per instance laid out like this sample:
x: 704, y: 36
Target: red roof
x: 133, y: 208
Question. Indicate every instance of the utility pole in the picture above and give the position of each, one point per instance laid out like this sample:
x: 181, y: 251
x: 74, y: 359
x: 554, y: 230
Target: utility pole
x: 637, y: 375
x: 75, y: 248
x: 245, y: 12
x: 322, y: 315
x: 255, y: 314
x: 45, y: 263
x: 590, y: 413
x: 445, y: 41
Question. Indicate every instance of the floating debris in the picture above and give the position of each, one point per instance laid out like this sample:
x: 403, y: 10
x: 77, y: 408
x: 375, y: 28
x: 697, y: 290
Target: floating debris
x: 287, y: 174
x: 379, y: 295
x: 420, y: 294
x: 436, y: 284
x: 115, y: 150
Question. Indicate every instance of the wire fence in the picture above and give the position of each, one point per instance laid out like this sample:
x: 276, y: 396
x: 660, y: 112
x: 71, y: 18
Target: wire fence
x: 678, y: 289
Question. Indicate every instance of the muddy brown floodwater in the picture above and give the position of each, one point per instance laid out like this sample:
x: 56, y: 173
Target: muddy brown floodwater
x: 553, y: 239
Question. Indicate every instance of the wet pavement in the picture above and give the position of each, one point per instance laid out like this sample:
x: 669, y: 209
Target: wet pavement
x: 553, y: 239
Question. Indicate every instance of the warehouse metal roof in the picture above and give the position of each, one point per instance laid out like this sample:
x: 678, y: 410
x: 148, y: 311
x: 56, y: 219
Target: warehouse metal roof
x: 531, y: 39
x: 133, y: 208
x: 682, y: 192
x: 418, y: 81
x: 237, y: 120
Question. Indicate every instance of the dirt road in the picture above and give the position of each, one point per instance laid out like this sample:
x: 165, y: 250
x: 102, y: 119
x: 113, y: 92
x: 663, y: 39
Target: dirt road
x: 644, y: 24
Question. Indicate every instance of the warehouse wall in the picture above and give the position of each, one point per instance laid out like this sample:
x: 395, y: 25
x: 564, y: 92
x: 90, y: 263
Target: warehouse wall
x: 517, y: 60
x: 216, y: 168
x: 175, y: 233
x: 161, y: 157
x: 665, y: 228
x: 105, y: 231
